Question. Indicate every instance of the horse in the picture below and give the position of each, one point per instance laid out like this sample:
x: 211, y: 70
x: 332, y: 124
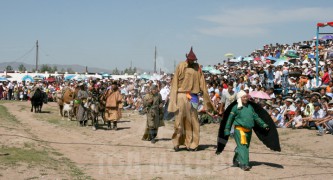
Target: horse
x: 37, y: 100
x: 64, y: 98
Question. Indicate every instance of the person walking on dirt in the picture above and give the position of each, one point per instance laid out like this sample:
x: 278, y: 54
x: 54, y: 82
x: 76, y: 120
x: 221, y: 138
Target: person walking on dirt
x: 187, y: 83
x: 113, y: 105
x: 82, y: 110
x: 243, y: 117
x: 154, y: 105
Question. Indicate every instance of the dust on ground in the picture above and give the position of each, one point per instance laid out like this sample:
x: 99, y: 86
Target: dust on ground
x: 55, y: 148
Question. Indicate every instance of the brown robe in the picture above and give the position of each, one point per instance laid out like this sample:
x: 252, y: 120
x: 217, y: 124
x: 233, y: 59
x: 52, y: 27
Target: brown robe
x: 187, y: 128
x: 113, y: 105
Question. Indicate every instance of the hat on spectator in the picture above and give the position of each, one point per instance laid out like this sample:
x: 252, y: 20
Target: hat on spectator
x: 331, y: 102
x: 290, y: 100
x: 316, y: 104
x: 269, y: 102
x: 315, y: 94
x: 327, y: 98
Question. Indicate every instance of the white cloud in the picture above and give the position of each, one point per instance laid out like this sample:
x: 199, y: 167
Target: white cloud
x: 249, y: 22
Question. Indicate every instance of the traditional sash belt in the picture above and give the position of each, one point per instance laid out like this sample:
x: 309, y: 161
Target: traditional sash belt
x: 242, y: 131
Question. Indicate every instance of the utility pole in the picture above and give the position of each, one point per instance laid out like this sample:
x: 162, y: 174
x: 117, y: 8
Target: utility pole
x: 37, y: 55
x: 155, y: 71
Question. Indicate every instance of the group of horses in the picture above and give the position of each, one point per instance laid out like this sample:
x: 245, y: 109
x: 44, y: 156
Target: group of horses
x: 69, y: 105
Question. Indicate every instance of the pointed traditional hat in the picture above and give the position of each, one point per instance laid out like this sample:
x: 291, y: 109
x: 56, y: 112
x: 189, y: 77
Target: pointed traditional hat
x: 191, y: 56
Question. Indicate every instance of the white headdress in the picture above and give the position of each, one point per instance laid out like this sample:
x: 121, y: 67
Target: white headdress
x: 240, y: 94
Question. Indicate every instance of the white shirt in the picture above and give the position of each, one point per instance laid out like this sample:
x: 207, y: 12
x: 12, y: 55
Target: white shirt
x: 278, y: 77
x: 210, y: 89
x: 164, y: 93
x: 10, y: 85
x: 321, y: 114
x: 272, y: 95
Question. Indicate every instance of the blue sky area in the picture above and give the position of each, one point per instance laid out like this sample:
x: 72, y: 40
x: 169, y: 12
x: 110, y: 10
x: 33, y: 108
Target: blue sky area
x: 112, y: 33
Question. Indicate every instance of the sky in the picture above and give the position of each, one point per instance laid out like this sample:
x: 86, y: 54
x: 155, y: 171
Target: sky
x: 113, y: 33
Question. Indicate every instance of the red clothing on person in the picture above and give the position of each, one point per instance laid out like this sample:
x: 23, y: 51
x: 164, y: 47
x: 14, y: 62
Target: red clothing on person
x: 326, y: 78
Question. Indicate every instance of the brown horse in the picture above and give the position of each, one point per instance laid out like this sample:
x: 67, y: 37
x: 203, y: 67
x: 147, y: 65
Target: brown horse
x: 65, y: 96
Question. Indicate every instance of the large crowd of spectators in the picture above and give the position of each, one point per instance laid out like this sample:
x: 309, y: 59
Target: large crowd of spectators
x: 298, y: 97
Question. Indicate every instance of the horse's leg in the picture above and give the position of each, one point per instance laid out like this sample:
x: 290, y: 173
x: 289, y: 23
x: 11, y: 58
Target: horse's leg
x: 61, y: 107
x: 40, y: 108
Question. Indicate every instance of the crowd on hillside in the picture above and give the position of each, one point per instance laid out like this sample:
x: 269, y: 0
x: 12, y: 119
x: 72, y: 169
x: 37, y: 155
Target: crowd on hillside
x: 297, y: 97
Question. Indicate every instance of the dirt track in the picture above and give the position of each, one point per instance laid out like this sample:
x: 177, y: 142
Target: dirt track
x: 121, y: 154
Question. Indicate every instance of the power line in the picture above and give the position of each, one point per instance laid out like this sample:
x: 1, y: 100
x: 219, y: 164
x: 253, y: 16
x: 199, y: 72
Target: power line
x: 21, y: 57
x: 48, y: 55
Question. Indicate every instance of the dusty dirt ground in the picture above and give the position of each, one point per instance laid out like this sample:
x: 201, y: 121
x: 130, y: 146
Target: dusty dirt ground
x: 74, y: 152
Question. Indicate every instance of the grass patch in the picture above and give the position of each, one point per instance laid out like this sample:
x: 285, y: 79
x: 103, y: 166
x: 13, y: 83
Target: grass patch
x: 6, y: 116
x: 34, y: 158
x: 75, y: 172
x: 33, y: 154
x: 57, y: 153
x: 15, y: 156
x: 31, y: 178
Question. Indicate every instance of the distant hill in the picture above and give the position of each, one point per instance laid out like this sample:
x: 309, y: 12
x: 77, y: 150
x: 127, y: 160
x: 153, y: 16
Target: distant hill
x: 74, y: 67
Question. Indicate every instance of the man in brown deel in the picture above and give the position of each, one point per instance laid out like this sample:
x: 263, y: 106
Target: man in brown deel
x: 113, y: 105
x: 187, y: 83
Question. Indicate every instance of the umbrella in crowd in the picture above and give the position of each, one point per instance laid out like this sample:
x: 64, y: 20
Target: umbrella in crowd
x: 292, y: 55
x: 271, y: 58
x: 280, y: 62
x: 3, y: 79
x: 105, y: 75
x: 215, y: 71
x: 145, y: 76
x: 248, y: 59
x: 27, y: 78
x: 292, y: 61
x: 229, y: 55
x: 50, y: 79
x: 207, y: 68
x: 69, y: 77
x: 259, y: 94
x: 38, y: 77
x: 283, y: 58
x: 234, y: 60
x: 79, y: 77
x: 326, y: 37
